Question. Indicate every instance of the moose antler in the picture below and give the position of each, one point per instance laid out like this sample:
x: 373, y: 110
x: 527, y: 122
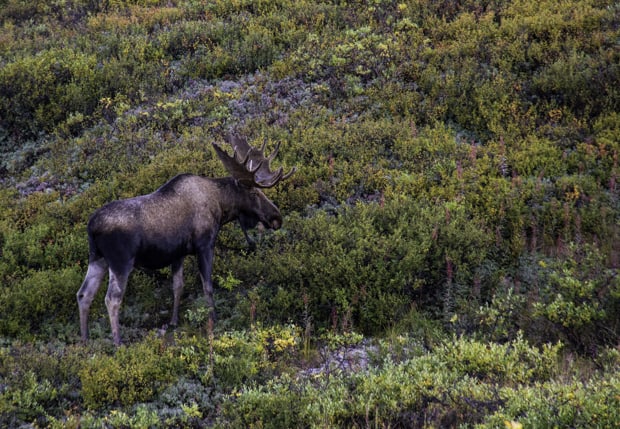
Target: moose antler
x: 249, y: 165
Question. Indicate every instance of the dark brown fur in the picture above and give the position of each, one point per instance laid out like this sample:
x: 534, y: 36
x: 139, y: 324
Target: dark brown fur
x: 183, y: 217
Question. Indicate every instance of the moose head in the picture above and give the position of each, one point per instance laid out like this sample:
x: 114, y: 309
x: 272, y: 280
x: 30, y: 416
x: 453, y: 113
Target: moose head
x: 182, y: 217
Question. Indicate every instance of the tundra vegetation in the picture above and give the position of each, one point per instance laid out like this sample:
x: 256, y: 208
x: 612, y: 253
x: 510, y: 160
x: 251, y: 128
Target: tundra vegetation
x: 450, y: 242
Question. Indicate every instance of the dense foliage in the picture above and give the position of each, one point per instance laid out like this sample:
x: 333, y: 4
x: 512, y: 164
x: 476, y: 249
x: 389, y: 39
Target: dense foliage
x: 456, y: 204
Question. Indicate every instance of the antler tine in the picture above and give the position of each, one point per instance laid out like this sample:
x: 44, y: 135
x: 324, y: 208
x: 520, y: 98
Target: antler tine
x: 270, y: 179
x: 241, y: 159
x: 250, y: 160
x: 274, y: 153
x: 289, y: 174
x: 241, y: 147
x: 270, y: 182
x: 249, y: 165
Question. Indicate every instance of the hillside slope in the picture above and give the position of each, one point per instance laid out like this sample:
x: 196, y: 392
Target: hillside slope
x: 457, y: 184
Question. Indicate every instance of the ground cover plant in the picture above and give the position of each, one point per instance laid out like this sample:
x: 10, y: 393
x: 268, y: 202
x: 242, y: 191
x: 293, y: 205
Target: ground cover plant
x: 450, y: 248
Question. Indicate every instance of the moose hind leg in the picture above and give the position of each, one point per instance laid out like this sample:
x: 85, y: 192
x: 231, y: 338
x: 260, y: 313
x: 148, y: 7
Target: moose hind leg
x: 94, y: 275
x: 113, y: 299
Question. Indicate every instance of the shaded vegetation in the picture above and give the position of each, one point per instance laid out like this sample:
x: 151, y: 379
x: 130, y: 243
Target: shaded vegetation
x: 456, y: 204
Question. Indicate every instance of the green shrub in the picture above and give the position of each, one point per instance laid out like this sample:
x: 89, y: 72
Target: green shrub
x: 39, y: 299
x: 230, y: 46
x: 579, y: 299
x: 40, y: 92
x: 242, y: 358
x: 40, y: 381
x: 27, y: 403
x: 272, y: 405
x: 503, y: 315
x: 429, y: 254
x: 132, y: 374
x: 537, y: 157
x: 454, y: 384
x: 593, y: 403
x: 512, y: 363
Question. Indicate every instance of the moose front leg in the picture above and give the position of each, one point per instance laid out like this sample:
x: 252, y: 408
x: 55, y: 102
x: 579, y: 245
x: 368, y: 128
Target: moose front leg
x: 251, y: 243
x: 205, y: 265
x: 246, y: 223
x: 177, y: 289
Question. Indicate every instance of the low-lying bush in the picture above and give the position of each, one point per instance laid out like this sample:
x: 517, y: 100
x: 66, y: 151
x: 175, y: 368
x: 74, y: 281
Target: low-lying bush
x: 459, y: 382
x: 136, y: 374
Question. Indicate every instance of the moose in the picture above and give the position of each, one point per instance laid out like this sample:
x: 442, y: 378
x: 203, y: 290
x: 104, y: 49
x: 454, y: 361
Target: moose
x: 181, y: 218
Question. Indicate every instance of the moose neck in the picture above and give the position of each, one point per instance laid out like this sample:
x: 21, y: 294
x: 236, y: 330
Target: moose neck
x: 232, y: 198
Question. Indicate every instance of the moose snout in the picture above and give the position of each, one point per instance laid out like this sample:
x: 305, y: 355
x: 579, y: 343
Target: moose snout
x: 274, y: 223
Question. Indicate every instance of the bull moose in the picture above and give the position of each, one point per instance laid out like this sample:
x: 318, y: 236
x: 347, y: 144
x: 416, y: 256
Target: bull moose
x: 182, y: 217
